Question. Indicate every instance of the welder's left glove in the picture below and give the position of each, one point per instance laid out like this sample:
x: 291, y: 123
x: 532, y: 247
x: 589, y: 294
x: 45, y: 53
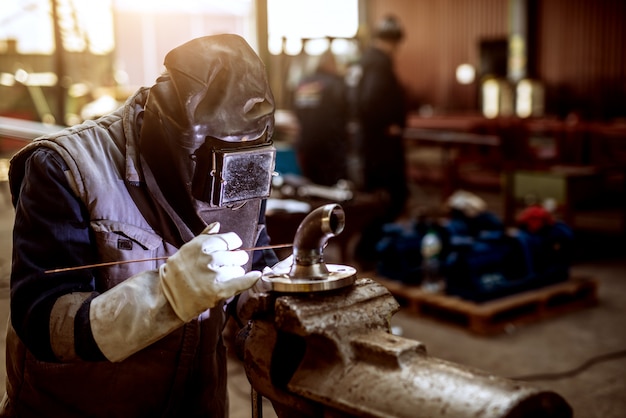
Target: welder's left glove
x: 251, y: 302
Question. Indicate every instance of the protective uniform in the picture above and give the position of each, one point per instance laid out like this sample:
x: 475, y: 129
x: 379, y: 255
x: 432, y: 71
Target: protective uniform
x: 378, y: 103
x: 158, y: 178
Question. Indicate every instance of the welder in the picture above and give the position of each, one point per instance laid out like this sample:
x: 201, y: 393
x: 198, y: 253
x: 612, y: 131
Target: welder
x: 176, y: 177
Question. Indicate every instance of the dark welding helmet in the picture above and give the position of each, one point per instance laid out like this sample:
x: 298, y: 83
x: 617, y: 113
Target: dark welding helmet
x: 208, y: 123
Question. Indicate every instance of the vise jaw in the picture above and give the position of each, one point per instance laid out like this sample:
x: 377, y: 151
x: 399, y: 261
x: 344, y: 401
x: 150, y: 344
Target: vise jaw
x: 331, y: 354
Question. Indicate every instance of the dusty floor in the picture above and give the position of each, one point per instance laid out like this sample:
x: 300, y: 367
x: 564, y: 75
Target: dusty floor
x: 556, y: 345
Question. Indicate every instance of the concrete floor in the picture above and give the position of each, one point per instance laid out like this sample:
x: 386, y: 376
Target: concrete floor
x: 556, y: 345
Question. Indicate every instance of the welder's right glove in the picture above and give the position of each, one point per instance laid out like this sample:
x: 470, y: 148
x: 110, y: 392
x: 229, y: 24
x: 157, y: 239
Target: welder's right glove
x: 250, y: 302
x: 150, y: 305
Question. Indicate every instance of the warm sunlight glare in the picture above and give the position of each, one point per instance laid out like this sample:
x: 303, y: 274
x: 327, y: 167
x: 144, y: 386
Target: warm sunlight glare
x: 84, y: 24
x: 298, y: 19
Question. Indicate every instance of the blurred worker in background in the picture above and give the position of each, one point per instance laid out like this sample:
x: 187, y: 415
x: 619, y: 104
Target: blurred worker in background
x: 377, y: 102
x: 180, y: 173
x: 321, y: 107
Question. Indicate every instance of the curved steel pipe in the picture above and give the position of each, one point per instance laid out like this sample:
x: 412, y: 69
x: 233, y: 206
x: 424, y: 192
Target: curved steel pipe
x: 311, y: 237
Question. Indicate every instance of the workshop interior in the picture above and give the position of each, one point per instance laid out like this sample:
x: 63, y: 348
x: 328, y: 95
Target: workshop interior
x: 497, y: 292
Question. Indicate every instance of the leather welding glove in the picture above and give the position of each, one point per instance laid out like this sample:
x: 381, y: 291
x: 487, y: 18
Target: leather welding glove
x: 204, y: 272
x: 250, y: 302
x: 148, y: 306
x: 282, y: 267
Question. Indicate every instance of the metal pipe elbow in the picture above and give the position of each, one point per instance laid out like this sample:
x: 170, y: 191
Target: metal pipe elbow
x: 311, y: 237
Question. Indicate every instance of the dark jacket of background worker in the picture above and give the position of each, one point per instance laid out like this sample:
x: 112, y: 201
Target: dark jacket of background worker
x: 321, y: 107
x: 378, y: 106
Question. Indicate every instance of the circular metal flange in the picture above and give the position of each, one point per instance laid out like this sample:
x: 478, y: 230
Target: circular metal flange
x: 338, y: 276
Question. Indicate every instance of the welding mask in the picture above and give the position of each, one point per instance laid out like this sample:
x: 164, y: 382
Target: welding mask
x: 207, y: 125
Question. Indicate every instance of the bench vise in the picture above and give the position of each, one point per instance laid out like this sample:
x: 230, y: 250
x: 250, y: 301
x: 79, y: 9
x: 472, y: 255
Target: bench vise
x: 319, y: 345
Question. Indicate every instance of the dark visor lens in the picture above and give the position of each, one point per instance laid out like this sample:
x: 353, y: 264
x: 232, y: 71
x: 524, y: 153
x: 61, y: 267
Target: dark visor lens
x: 243, y: 175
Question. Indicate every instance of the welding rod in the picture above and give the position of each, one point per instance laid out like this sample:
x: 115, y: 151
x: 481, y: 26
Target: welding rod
x: 114, y: 263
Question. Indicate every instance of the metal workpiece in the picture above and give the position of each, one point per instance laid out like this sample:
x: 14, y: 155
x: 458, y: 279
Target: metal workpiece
x: 309, y: 272
x: 332, y: 354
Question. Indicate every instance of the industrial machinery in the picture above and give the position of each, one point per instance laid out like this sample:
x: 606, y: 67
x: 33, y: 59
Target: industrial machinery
x: 319, y: 345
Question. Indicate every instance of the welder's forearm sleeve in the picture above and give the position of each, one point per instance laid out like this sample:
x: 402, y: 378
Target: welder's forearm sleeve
x: 50, y: 312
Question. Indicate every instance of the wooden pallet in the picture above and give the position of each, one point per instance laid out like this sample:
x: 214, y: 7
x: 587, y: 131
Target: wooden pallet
x: 498, y: 315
